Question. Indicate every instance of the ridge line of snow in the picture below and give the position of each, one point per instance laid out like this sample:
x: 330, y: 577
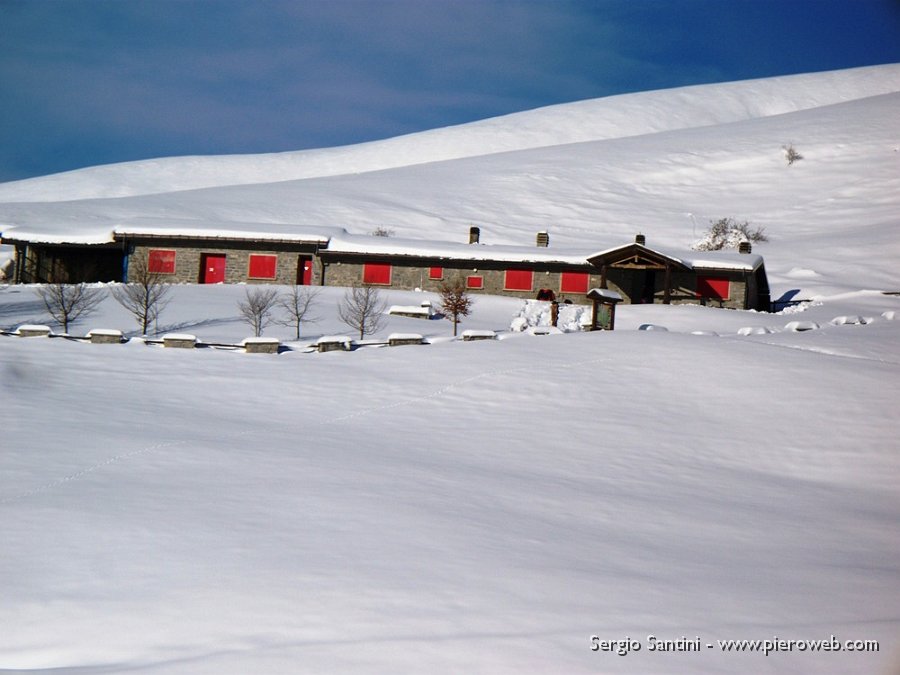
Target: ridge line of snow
x: 619, y: 116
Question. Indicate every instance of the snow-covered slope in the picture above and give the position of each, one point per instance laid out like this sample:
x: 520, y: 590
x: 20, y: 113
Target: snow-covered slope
x: 600, y: 119
x: 478, y: 507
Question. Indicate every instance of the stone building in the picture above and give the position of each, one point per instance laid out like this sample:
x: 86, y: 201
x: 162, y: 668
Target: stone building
x: 332, y: 257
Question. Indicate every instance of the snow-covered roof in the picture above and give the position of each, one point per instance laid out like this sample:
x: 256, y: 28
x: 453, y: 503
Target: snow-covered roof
x: 420, y: 248
x: 106, y: 232
x: 719, y: 260
x: 48, y: 236
x: 605, y: 294
x: 338, y: 240
x: 722, y: 260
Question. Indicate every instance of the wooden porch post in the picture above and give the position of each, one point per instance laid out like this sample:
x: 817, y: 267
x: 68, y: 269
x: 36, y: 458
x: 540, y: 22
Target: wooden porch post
x: 667, y: 296
x: 602, y: 278
x: 20, y: 263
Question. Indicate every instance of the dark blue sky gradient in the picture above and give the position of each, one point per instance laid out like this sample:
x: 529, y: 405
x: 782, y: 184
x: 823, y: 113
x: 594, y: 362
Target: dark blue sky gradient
x: 89, y: 82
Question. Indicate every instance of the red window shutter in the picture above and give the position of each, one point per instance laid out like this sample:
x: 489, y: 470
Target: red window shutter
x: 717, y: 288
x: 377, y: 273
x: 160, y: 261
x: 519, y: 280
x: 435, y: 272
x: 474, y: 282
x: 262, y: 266
x: 574, y: 282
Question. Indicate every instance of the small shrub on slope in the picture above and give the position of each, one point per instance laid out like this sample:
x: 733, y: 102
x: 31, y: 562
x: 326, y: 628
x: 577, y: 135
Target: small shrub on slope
x: 727, y: 233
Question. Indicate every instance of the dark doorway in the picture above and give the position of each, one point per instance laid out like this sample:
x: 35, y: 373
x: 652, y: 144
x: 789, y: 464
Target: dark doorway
x: 647, y: 282
x: 304, y: 270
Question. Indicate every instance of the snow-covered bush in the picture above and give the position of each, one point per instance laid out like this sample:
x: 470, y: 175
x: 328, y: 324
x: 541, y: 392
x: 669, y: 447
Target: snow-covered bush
x: 533, y: 313
x: 729, y: 233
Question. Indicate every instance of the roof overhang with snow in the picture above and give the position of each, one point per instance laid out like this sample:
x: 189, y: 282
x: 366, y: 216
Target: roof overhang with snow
x: 636, y: 256
x: 639, y: 256
x: 223, y: 236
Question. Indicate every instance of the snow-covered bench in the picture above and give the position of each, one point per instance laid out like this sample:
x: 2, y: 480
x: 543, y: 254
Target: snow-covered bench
x: 399, y: 339
x: 755, y: 330
x: 333, y: 343
x: 105, y: 336
x: 544, y: 330
x: 470, y: 335
x: 179, y: 340
x: 850, y: 321
x: 33, y: 330
x: 261, y: 345
x: 801, y: 326
x: 422, y: 311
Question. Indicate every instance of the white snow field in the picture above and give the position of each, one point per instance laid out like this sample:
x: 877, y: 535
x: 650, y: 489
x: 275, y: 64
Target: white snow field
x: 489, y: 506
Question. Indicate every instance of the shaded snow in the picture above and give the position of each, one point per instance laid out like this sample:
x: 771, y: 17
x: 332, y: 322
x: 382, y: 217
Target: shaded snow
x: 479, y: 507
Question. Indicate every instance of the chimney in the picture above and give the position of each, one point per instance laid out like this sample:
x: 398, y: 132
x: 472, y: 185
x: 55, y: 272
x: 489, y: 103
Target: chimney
x: 745, y: 247
x: 640, y: 239
x: 474, y: 235
x: 543, y: 239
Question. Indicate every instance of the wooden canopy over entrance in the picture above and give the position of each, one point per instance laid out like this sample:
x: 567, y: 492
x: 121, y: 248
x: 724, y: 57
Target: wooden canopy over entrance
x: 638, y: 257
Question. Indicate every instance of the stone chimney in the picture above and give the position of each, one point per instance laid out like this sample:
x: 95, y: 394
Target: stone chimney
x: 474, y: 235
x: 745, y: 247
x: 543, y: 239
x: 640, y: 239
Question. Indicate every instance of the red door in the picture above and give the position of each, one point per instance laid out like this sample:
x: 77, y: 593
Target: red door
x: 304, y: 271
x: 213, y: 271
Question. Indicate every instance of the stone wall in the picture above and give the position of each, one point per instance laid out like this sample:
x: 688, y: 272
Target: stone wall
x: 237, y: 263
x: 350, y: 273
x: 635, y: 285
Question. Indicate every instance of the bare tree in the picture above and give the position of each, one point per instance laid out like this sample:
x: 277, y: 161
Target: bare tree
x: 382, y: 231
x: 256, y: 308
x: 145, y: 295
x: 297, y: 302
x: 67, y: 302
x: 363, y: 309
x: 455, y: 301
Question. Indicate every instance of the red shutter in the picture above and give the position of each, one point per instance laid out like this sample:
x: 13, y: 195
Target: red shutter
x: 436, y: 273
x: 161, y: 261
x: 474, y: 282
x: 262, y: 266
x: 574, y: 282
x: 717, y: 288
x: 519, y: 280
x: 377, y: 273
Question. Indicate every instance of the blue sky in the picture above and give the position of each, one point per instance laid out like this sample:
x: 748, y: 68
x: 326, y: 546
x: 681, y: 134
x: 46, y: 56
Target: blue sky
x: 89, y: 82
